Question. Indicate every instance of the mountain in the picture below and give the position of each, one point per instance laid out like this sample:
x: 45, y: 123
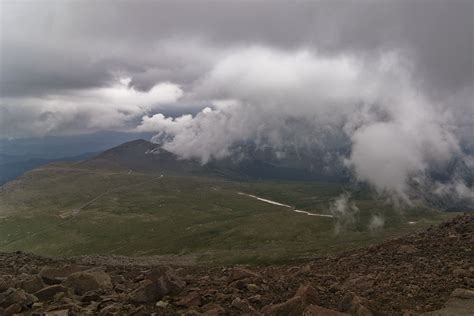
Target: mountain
x: 141, y: 155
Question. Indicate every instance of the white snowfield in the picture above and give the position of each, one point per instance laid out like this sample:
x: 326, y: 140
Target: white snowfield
x: 284, y: 205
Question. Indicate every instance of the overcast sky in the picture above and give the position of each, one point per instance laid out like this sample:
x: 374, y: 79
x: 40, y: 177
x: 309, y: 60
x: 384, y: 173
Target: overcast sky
x: 212, y: 73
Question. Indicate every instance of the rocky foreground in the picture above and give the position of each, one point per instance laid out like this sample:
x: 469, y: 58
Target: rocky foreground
x: 430, y: 272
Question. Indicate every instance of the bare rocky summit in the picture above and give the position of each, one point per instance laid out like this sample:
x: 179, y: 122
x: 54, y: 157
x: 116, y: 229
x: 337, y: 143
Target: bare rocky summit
x: 431, y: 273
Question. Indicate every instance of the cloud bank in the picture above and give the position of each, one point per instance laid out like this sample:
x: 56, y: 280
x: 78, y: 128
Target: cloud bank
x: 299, y: 98
x: 104, y: 108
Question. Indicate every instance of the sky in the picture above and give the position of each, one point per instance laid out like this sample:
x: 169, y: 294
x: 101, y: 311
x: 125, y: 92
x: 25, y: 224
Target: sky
x: 392, y: 80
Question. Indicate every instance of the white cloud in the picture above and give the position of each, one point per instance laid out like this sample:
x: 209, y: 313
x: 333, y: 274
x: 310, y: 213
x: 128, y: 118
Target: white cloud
x: 84, y: 110
x: 376, y: 222
x: 345, y: 212
x: 300, y: 98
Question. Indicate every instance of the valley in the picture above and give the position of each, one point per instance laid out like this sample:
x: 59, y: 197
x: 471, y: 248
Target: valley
x: 107, y: 205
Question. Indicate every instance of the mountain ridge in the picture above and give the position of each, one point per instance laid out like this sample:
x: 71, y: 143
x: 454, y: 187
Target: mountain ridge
x: 142, y: 155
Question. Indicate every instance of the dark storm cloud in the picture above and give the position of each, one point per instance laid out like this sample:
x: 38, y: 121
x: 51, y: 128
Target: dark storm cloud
x: 78, y: 44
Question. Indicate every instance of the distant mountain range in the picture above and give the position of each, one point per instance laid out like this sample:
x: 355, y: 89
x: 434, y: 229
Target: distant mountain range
x: 20, y: 155
x: 13, y: 166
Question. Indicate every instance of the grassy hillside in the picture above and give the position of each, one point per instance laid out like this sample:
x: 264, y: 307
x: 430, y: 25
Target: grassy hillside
x: 72, y: 209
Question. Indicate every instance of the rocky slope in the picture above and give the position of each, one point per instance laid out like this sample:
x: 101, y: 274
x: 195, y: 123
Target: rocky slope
x: 431, y: 271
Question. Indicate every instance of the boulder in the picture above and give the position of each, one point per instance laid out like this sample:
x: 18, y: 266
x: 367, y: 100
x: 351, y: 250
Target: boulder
x: 212, y: 309
x: 162, y: 304
x: 242, y: 273
x: 242, y: 305
x: 354, y: 305
x: 31, y: 284
x: 61, y: 312
x: 252, y: 287
x: 6, y: 282
x: 48, y: 293
x: 149, y: 291
x: 463, y: 293
x: 91, y: 296
x: 56, y: 275
x: 293, y: 306
x: 308, y: 295
x: 13, y: 296
x: 190, y: 299
x: 167, y: 277
x: 406, y: 249
x: 360, y: 283
x: 173, y: 283
x: 85, y: 281
x: 30, y: 300
x: 113, y: 309
x: 461, y: 273
x: 12, y: 310
x: 314, y: 310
